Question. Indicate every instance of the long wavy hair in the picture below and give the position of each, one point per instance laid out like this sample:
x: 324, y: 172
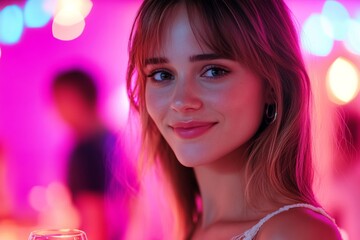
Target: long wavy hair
x: 261, y: 35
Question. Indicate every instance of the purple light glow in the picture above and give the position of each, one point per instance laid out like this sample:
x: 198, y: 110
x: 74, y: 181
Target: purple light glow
x: 36, y: 138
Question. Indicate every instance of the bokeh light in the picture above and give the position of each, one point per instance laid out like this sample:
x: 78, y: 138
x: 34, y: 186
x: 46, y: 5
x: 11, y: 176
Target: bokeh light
x: 352, y: 40
x: 11, y: 24
x: 37, y: 198
x: 67, y: 33
x: 69, y: 20
x: 82, y: 6
x: 35, y: 13
x: 53, y: 202
x: 68, y: 17
x: 57, y: 195
x: 50, y: 6
x: 118, y: 107
x: 316, y: 35
x: 343, y: 81
x: 60, y: 210
x: 338, y: 16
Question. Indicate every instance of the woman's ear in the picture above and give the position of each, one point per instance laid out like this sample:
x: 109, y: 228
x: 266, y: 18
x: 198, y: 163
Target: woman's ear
x: 269, y: 95
x: 271, y: 110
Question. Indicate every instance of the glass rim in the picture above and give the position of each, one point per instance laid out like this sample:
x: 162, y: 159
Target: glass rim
x: 58, y: 232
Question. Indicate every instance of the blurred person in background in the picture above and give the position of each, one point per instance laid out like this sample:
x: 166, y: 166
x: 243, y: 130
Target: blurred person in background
x: 90, y: 163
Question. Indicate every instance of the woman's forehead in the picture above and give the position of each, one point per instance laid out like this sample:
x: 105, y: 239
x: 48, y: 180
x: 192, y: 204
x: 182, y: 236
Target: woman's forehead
x: 178, y: 27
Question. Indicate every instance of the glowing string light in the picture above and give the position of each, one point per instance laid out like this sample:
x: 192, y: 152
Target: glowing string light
x: 83, y: 6
x: 68, y: 17
x: 50, y: 6
x: 316, y: 35
x: 337, y: 16
x: 352, y: 40
x: 35, y: 13
x: 343, y: 81
x: 68, y: 32
x: 69, y: 20
x: 11, y: 24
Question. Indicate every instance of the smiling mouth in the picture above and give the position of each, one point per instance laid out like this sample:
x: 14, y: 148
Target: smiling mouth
x: 192, y: 129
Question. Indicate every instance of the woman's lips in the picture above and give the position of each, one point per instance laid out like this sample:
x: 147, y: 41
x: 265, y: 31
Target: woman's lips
x: 191, y: 129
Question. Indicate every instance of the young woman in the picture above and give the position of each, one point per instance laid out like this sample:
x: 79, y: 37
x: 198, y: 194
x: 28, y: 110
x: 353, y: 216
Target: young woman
x: 223, y: 97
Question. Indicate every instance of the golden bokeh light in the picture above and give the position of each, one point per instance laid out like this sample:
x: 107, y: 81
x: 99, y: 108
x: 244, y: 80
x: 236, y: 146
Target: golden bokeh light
x: 342, y: 81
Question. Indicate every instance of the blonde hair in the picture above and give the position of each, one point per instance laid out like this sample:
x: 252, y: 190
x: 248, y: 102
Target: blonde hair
x: 261, y: 35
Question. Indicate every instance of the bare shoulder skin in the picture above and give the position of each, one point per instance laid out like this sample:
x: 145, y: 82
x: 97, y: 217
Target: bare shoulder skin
x: 299, y: 224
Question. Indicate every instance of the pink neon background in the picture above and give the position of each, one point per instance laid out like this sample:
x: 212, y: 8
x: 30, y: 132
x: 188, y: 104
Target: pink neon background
x: 29, y: 127
x: 34, y: 136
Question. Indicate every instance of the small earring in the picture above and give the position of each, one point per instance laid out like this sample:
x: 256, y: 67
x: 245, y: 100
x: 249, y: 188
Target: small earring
x: 271, y: 113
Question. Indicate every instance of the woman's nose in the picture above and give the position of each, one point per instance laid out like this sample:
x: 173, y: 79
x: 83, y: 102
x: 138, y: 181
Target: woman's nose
x: 186, y: 97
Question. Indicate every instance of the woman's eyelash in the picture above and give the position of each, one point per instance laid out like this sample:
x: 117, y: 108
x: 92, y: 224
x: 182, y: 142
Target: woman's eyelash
x: 152, y: 73
x: 163, y: 75
x: 211, y: 71
x: 215, y: 71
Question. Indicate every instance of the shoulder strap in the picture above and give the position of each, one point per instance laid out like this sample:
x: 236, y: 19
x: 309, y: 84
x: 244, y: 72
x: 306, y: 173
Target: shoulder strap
x: 250, y: 234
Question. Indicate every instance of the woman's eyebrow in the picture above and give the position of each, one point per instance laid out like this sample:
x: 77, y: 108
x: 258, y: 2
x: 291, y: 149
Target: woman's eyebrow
x: 193, y: 58
x: 156, y: 60
x: 208, y: 56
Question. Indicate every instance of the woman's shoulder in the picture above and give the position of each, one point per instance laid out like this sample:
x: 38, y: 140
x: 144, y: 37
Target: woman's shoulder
x: 299, y: 223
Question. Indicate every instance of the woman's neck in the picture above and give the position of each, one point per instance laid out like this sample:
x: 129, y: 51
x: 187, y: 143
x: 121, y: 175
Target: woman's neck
x: 222, y: 186
x: 222, y: 195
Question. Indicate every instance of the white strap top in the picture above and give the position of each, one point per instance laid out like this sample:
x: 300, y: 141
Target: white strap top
x: 251, y: 233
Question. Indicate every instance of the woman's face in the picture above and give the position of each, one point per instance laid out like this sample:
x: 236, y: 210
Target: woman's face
x: 206, y: 106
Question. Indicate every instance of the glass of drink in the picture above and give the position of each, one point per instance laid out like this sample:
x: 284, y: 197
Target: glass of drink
x: 57, y: 234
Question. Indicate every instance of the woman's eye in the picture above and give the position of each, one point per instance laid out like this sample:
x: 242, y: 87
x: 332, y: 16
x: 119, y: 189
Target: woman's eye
x: 159, y: 76
x: 214, y: 72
